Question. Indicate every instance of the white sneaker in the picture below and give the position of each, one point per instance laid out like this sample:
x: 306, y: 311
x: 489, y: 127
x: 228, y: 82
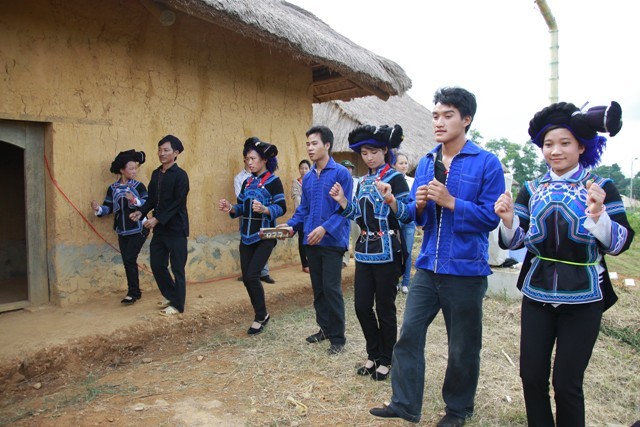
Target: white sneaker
x: 405, y: 289
x: 169, y: 311
x: 164, y: 303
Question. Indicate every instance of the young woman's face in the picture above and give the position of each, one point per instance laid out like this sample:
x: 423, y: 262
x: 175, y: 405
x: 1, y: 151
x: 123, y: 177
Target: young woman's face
x: 373, y: 157
x: 561, y: 150
x: 130, y: 170
x: 257, y: 164
x: 304, y: 168
x: 402, y: 164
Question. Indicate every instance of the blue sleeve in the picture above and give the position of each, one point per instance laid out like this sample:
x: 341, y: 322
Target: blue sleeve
x: 335, y: 222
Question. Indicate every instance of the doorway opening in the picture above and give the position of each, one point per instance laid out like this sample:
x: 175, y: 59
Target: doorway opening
x: 14, y: 283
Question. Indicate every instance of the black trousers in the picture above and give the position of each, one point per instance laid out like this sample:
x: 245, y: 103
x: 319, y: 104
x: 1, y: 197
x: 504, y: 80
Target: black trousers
x: 573, y: 328
x: 164, y: 249
x: 252, y: 260
x: 130, y: 247
x: 325, y: 269
x: 377, y: 283
x: 301, y: 250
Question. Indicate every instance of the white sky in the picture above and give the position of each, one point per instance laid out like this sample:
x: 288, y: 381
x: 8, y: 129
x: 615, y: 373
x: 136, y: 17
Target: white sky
x: 499, y: 50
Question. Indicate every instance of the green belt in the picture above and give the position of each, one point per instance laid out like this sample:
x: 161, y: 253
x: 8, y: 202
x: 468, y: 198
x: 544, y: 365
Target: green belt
x: 568, y: 262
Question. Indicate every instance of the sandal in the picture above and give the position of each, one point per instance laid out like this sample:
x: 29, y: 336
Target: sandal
x: 128, y: 300
x: 164, y: 303
x: 364, y: 370
x: 258, y: 326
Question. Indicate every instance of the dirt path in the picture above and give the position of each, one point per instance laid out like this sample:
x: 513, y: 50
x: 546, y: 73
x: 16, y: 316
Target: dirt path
x: 102, y: 347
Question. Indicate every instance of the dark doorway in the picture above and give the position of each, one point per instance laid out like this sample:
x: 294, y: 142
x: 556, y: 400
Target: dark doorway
x: 14, y: 285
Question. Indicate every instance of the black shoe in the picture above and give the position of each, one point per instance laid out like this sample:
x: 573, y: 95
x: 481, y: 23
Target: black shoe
x: 450, y: 420
x: 364, y: 371
x: 384, y: 412
x: 267, y: 279
x: 335, y: 348
x: 129, y: 300
x: 509, y: 262
x: 317, y: 337
x: 379, y: 376
x: 263, y: 323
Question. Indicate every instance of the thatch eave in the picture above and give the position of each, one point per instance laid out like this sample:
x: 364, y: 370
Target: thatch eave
x: 341, y: 70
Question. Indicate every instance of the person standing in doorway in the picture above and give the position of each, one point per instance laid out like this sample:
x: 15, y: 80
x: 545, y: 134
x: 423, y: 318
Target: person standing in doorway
x: 125, y: 196
x: 455, y: 188
x: 326, y: 236
x: 168, y: 192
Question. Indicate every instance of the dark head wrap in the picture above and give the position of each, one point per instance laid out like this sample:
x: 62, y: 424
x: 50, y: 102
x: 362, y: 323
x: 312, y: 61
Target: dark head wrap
x: 176, y: 144
x: 125, y: 157
x: 264, y: 149
x: 583, y: 125
x: 377, y: 136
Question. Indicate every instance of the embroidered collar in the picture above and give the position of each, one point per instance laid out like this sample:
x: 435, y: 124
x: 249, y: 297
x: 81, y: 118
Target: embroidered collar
x: 264, y: 178
x: 576, y: 175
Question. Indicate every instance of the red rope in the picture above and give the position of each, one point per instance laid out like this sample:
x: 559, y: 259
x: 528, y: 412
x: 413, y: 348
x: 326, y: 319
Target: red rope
x: 86, y: 221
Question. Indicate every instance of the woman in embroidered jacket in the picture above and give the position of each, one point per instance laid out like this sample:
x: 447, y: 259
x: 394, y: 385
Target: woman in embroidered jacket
x: 260, y: 202
x: 124, y: 196
x: 379, y: 252
x: 568, y: 220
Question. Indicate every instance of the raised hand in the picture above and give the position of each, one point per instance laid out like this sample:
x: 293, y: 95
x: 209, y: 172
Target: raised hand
x: 595, y: 200
x: 503, y: 207
x: 224, y: 205
x: 337, y: 193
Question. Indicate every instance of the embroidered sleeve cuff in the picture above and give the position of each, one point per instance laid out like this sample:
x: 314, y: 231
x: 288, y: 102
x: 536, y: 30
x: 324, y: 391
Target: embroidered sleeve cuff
x: 601, y: 230
x: 508, y: 233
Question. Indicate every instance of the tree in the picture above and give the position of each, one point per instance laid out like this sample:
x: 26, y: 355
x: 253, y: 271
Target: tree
x: 522, y: 161
x: 615, y: 174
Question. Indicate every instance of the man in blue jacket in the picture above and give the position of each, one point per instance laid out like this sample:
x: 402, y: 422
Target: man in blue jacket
x: 326, y: 234
x: 452, y: 198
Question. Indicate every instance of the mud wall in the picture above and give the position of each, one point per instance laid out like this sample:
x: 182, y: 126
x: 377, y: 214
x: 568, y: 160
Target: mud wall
x: 107, y: 76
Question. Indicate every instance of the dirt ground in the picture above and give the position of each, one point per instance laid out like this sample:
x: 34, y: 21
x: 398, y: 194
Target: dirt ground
x: 101, y: 364
x: 57, y: 357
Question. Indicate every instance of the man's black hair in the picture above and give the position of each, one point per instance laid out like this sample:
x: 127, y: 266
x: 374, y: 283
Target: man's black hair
x: 460, y: 98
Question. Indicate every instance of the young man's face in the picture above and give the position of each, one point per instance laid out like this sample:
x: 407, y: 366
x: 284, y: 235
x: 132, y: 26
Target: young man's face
x: 166, y: 154
x: 316, y: 149
x: 448, y: 125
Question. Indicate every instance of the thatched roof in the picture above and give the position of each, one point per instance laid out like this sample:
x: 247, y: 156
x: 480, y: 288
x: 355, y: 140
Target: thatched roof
x: 342, y: 117
x: 341, y: 69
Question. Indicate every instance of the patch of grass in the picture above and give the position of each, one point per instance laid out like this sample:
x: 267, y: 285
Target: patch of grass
x: 626, y: 334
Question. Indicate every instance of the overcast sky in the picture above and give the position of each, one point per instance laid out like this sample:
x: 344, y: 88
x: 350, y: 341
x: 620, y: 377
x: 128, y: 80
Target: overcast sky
x: 499, y: 49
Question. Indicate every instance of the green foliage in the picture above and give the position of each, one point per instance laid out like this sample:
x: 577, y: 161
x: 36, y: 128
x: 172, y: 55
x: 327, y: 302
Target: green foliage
x: 614, y: 173
x: 521, y: 160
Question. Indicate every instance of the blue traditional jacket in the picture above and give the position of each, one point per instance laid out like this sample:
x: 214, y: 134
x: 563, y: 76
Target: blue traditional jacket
x: 379, y: 241
x: 267, y: 189
x: 564, y: 259
x: 117, y: 203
